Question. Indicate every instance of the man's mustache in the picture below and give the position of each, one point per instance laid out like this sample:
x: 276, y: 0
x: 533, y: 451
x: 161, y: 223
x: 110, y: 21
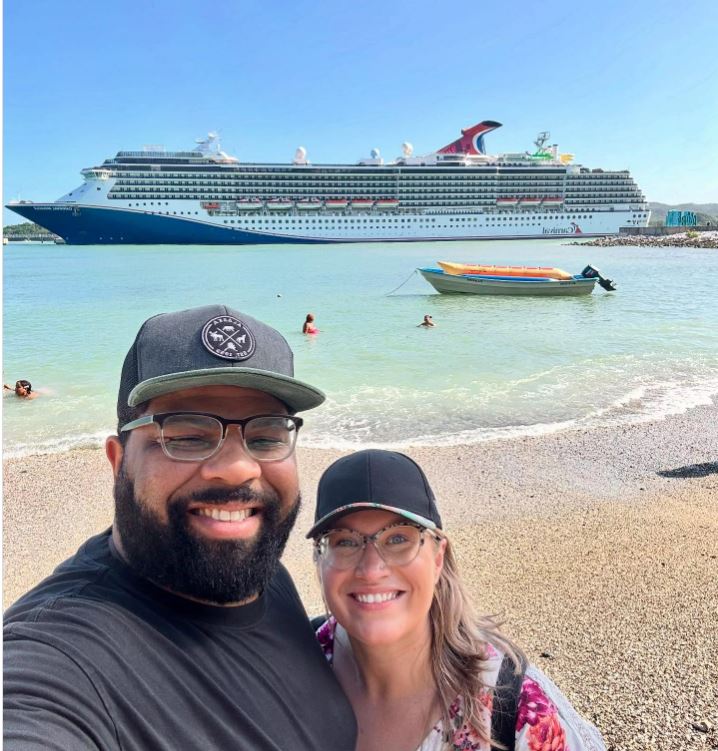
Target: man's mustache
x: 218, y: 496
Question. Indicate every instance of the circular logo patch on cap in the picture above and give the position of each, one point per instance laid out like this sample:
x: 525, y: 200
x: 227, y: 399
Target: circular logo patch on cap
x: 228, y: 337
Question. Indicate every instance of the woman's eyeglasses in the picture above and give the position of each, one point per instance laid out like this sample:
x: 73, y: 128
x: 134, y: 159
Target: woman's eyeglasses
x: 397, y: 545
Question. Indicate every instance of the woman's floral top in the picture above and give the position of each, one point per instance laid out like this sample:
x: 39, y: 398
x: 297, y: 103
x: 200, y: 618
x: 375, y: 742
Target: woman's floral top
x: 545, y: 721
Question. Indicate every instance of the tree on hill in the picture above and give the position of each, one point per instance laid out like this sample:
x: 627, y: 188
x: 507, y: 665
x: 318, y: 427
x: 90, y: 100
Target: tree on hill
x: 25, y: 229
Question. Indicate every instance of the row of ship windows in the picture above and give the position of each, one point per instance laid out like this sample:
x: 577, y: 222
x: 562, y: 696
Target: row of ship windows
x: 368, y: 174
x: 453, y: 221
x: 348, y: 190
x: 568, y: 204
x: 448, y: 225
x: 387, y: 187
x: 403, y: 177
x: 403, y: 196
x: 425, y: 186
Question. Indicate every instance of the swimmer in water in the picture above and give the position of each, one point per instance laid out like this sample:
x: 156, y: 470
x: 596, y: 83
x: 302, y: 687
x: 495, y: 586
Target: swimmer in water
x: 309, y: 327
x: 428, y: 322
x: 23, y: 389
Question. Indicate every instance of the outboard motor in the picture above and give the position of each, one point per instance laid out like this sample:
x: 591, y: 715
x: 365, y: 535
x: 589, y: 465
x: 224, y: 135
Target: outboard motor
x: 592, y: 273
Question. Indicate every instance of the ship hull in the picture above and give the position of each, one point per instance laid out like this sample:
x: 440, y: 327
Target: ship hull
x: 91, y: 225
x: 100, y: 225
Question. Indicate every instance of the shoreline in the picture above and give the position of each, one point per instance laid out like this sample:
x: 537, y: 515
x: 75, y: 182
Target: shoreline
x: 688, y: 239
x: 597, y: 547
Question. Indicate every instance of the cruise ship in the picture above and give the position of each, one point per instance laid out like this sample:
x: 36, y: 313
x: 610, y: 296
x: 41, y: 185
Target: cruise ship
x: 459, y: 192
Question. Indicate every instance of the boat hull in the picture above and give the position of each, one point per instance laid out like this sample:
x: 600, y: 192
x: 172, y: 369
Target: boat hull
x: 471, y: 284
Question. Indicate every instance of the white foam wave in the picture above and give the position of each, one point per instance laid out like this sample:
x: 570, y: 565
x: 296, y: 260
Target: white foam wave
x: 645, y: 403
x: 57, y: 445
x: 348, y: 426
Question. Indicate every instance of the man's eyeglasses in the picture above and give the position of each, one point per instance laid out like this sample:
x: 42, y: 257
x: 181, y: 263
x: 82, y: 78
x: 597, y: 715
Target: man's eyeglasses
x: 196, y: 436
x: 397, y: 545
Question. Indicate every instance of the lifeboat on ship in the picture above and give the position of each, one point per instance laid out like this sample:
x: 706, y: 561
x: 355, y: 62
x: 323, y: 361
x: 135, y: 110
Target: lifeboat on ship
x: 309, y: 204
x: 249, y: 204
x: 209, y: 205
x: 279, y: 204
x: 336, y: 203
x: 530, y: 202
x: 553, y: 201
x: 387, y: 203
x: 536, y: 272
x: 506, y: 201
x: 362, y: 203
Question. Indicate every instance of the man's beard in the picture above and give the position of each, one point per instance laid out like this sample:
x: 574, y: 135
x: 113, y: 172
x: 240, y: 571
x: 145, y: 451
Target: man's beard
x: 173, y: 556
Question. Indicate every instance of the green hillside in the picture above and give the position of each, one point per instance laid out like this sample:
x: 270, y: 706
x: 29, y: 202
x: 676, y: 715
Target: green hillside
x: 20, y: 231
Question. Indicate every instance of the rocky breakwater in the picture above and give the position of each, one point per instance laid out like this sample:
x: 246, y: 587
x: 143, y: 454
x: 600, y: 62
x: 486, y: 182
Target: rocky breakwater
x: 680, y: 240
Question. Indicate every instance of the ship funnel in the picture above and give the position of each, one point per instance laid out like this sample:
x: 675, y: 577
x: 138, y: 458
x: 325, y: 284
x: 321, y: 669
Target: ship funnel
x: 407, y: 149
x: 472, y: 139
x: 300, y: 156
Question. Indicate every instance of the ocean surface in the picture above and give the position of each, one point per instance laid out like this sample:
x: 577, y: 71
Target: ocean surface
x: 493, y: 367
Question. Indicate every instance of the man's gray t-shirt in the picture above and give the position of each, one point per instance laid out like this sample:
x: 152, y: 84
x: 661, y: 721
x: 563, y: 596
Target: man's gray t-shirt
x: 97, y: 658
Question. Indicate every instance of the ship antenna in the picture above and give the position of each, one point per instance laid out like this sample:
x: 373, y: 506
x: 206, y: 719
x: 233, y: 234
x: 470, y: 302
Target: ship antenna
x: 541, y: 140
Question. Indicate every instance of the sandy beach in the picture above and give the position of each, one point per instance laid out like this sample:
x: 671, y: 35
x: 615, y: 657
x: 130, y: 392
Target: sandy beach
x: 599, y: 549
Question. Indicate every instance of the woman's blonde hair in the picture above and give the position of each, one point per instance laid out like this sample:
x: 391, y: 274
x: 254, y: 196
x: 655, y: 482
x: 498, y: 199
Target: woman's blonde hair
x: 459, y: 653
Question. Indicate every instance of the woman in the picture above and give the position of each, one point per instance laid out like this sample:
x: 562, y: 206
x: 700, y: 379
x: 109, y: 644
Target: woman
x: 420, y: 670
x: 309, y: 327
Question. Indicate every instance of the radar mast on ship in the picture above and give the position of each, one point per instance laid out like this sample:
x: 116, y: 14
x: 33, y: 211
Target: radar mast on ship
x: 211, y: 149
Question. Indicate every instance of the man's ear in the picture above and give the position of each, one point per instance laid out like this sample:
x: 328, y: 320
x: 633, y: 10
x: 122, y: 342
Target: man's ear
x: 114, y: 451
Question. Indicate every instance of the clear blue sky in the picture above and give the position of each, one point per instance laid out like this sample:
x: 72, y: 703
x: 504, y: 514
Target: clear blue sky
x: 620, y: 84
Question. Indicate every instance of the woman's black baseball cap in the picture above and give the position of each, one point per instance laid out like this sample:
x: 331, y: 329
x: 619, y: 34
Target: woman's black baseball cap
x: 374, y: 479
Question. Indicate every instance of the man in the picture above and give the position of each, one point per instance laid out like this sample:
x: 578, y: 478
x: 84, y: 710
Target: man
x: 178, y: 628
x: 428, y: 322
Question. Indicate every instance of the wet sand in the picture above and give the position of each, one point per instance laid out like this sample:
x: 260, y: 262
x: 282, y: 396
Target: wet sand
x: 599, y: 549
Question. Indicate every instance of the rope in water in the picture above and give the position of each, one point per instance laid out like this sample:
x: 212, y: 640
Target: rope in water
x: 402, y: 284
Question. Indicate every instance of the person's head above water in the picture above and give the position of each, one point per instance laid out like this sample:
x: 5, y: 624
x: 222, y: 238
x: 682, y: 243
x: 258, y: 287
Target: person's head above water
x: 23, y: 386
x: 206, y: 487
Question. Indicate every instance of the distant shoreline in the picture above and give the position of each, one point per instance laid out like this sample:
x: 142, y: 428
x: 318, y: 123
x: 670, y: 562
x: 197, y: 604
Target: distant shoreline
x: 705, y: 239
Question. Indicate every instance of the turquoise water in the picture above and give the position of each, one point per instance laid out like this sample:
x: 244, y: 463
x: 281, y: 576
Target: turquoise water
x: 492, y: 367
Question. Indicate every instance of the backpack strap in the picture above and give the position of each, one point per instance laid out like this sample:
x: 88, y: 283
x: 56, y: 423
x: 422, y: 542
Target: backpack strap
x: 505, y: 703
x: 317, y: 621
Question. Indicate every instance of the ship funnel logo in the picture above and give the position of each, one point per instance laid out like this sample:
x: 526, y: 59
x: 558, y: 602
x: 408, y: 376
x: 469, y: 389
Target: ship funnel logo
x: 228, y: 337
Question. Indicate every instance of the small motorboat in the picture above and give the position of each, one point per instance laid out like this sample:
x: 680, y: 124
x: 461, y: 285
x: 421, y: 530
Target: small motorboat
x: 498, y: 284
